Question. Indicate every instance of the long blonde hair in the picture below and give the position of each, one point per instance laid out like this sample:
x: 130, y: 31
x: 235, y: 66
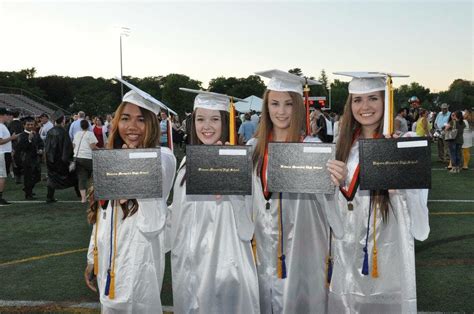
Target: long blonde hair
x: 151, y: 140
x: 296, y: 129
x: 349, y: 129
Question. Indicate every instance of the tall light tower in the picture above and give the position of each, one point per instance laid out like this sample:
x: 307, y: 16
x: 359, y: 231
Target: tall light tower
x: 124, y: 31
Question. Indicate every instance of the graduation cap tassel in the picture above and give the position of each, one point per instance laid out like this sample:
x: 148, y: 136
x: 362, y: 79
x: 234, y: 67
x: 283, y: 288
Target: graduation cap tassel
x: 232, y: 132
x: 283, y: 266
x: 96, y: 261
x: 306, y: 103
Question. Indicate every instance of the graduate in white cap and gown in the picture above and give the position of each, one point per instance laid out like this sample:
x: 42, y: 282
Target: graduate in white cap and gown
x: 212, y: 262
x: 374, y: 262
x: 291, y: 229
x: 126, y: 250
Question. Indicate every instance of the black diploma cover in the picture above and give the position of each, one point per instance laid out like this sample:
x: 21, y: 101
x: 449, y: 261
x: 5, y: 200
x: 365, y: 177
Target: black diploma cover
x: 300, y: 167
x: 401, y: 163
x: 127, y: 173
x: 217, y: 169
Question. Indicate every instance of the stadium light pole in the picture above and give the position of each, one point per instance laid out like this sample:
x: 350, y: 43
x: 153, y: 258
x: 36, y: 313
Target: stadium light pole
x: 124, y: 31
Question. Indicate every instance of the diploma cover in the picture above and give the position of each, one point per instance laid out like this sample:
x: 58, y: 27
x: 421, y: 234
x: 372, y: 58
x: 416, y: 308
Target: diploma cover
x: 217, y: 169
x: 300, y: 167
x: 127, y: 173
x: 401, y: 163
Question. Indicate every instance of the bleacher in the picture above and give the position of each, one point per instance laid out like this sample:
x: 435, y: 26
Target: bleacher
x: 26, y: 105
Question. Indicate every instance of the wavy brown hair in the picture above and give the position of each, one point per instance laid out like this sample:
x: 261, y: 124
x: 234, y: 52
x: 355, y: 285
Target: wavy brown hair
x: 349, y: 128
x: 296, y: 129
x: 151, y: 140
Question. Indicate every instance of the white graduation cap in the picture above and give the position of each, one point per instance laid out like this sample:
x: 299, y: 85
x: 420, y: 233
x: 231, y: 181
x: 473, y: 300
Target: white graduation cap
x: 282, y: 81
x: 142, y: 99
x: 210, y: 100
x: 369, y: 82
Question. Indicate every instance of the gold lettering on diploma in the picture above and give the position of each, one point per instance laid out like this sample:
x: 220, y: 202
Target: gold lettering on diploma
x: 218, y: 169
x: 304, y: 167
x: 394, y: 163
x: 129, y: 173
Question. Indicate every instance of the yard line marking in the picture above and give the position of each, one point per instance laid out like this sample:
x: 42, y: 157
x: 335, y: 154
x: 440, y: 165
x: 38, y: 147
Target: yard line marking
x: 451, y: 201
x: 451, y: 213
x: 34, y: 258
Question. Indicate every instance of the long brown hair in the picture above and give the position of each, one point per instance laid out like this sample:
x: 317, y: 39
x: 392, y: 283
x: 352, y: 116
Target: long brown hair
x: 194, y: 140
x: 296, y: 129
x: 151, y: 139
x: 348, y: 130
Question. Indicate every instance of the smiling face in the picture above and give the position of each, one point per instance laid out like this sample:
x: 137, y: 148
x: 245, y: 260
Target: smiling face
x: 208, y: 124
x: 131, y: 126
x: 280, y: 109
x: 367, y: 109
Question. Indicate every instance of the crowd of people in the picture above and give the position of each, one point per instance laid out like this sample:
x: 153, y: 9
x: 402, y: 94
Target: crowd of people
x: 261, y: 253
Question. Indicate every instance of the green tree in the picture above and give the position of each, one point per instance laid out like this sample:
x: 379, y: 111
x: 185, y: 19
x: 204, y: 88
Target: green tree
x: 176, y: 99
x: 296, y: 71
x: 404, y: 92
x: 238, y: 87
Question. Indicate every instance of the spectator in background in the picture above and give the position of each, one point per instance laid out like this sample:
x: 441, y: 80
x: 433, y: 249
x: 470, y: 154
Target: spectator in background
x: 28, y: 149
x: 8, y: 155
x: 467, y: 138
x: 5, y: 146
x: 401, y: 123
x: 16, y: 126
x: 100, y: 132
x: 422, y: 125
x: 441, y: 121
x: 46, y: 125
x: 246, y: 130
x: 108, y: 124
x: 84, y: 142
x: 59, y: 153
x: 254, y: 118
x: 164, y: 129
x: 76, y: 125
x: 456, y: 144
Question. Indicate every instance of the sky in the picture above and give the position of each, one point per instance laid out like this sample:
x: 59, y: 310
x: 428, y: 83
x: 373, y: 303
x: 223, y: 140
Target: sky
x: 432, y: 41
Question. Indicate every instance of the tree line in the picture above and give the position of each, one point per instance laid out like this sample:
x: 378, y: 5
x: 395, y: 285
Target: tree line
x: 101, y: 95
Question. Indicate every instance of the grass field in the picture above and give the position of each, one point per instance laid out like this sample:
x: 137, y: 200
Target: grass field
x: 445, y: 262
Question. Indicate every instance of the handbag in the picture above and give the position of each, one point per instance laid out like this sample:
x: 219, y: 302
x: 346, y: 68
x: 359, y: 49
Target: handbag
x: 450, y: 135
x: 72, y: 164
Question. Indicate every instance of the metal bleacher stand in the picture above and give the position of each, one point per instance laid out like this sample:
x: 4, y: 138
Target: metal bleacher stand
x: 24, y: 101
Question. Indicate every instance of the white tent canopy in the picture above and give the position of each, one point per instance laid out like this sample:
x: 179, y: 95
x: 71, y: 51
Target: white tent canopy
x: 251, y: 103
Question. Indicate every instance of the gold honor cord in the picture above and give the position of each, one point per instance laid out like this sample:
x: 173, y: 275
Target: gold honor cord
x: 390, y: 90
x: 112, y: 271
x: 232, y: 122
x: 375, y: 272
x: 96, y: 249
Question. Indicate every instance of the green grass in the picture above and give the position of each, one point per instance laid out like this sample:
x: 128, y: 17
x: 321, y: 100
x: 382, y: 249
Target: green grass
x: 445, y: 261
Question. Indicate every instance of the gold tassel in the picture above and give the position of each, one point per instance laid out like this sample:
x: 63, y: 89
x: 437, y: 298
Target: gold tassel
x: 112, y: 285
x: 232, y: 122
x: 375, y: 271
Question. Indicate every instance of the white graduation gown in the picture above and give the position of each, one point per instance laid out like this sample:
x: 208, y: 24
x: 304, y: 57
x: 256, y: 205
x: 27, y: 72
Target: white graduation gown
x: 306, y: 221
x: 212, y: 262
x: 394, y: 291
x: 140, y: 261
